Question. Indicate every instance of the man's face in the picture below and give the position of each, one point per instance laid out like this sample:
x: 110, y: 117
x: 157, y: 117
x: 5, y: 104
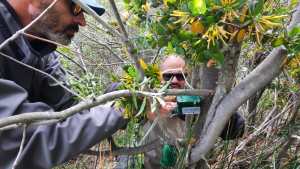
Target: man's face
x: 60, y: 23
x: 174, y: 68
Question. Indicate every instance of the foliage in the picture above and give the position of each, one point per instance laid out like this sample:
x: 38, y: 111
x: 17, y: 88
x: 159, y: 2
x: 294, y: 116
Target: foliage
x: 130, y: 81
x: 291, y: 40
x: 89, y: 85
x: 200, y: 29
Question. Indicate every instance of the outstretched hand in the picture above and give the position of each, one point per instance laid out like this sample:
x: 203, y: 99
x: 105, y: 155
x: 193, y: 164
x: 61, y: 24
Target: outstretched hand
x: 164, y: 110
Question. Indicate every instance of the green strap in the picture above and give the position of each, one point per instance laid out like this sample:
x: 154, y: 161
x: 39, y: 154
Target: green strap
x: 169, y: 156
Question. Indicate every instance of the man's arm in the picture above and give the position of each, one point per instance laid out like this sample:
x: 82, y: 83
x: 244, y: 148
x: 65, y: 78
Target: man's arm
x: 50, y: 145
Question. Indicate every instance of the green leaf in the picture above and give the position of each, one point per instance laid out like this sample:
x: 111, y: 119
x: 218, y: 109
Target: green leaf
x: 142, y: 108
x: 293, y: 3
x: 134, y: 100
x: 210, y: 20
x: 295, y: 31
x: 218, y: 56
x: 197, y: 7
x: 131, y: 71
x: 179, y: 50
x: 170, y: 1
x: 279, y: 41
x: 154, y: 105
x: 165, y: 87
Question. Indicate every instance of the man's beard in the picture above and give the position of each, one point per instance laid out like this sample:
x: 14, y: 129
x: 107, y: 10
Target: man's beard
x: 46, y: 25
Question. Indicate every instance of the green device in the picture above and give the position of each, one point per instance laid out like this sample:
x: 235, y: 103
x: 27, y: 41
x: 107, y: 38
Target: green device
x: 187, y: 105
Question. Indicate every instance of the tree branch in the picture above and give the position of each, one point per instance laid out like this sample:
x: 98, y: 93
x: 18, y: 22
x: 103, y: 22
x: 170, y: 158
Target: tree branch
x: 130, y: 46
x: 98, y: 19
x: 127, y: 150
x: 35, y: 117
x: 256, y: 80
x: 21, y: 147
x: 44, y: 73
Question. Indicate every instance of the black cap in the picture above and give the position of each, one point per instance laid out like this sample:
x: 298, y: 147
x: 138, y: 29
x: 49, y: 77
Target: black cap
x: 93, y: 4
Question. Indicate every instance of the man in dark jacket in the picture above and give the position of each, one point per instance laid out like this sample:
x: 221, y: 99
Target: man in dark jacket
x: 24, y: 90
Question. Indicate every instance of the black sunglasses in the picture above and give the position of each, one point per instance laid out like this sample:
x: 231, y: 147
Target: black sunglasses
x: 75, y: 8
x: 179, y: 76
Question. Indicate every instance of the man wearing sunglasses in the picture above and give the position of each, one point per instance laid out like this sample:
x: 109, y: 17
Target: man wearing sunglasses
x: 171, y: 127
x: 24, y: 90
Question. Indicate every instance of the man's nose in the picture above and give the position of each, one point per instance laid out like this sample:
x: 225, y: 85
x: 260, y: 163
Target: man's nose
x: 174, y: 79
x: 79, y: 19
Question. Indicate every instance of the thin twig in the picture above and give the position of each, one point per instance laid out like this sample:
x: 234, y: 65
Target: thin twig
x: 149, y: 130
x: 262, y: 127
x: 98, y: 19
x: 81, y: 60
x: 130, y: 47
x: 44, y: 73
x: 70, y: 59
x: 21, y: 147
x: 110, y: 64
x: 153, y: 61
x: 106, y: 46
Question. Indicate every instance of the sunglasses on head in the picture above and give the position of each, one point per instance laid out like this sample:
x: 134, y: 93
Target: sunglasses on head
x: 76, y: 9
x: 179, y: 76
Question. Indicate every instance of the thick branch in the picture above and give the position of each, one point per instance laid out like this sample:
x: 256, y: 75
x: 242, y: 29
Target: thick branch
x: 89, y: 103
x: 203, y: 92
x: 127, y: 150
x: 256, y: 80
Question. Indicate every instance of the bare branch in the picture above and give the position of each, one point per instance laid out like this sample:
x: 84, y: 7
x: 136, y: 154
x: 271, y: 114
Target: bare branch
x: 21, y: 147
x: 191, y: 92
x: 127, y: 150
x: 70, y: 59
x: 110, y: 64
x: 81, y: 60
x: 44, y: 73
x: 106, y: 46
x: 130, y: 46
x: 98, y: 19
x: 117, y: 15
x: 150, y: 129
x: 35, y: 117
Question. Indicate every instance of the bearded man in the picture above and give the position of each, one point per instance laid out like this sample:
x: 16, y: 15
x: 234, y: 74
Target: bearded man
x: 171, y: 127
x: 24, y: 90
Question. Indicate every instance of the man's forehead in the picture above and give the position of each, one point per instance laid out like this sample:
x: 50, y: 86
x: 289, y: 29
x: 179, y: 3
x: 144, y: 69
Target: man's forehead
x: 173, y: 63
x: 175, y: 70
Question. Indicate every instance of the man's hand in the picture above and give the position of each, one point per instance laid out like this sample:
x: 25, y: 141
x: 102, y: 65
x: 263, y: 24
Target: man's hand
x: 164, y: 110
